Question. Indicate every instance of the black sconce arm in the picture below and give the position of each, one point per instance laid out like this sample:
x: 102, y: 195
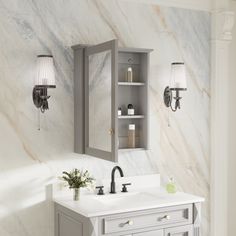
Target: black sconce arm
x: 168, y: 97
x: 40, y: 96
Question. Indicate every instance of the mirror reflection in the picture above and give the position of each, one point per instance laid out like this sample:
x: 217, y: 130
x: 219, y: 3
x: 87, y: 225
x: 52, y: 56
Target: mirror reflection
x: 100, y: 101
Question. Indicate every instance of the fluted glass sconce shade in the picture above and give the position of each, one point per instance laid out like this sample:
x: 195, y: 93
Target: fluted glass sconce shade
x: 45, y: 78
x: 178, y: 75
x: 178, y: 83
x: 45, y: 71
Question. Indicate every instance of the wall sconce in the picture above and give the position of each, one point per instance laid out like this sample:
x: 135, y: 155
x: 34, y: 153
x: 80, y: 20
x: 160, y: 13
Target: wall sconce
x: 45, y: 78
x: 178, y: 83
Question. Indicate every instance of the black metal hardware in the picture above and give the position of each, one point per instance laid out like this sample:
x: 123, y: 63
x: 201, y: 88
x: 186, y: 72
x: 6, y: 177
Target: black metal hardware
x: 40, y: 96
x: 113, y: 184
x: 124, y: 188
x: 168, y: 97
x: 100, y: 191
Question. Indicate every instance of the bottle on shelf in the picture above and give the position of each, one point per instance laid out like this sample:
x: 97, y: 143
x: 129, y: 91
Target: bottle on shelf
x: 119, y: 111
x: 129, y: 75
x: 130, y: 109
x: 131, y: 136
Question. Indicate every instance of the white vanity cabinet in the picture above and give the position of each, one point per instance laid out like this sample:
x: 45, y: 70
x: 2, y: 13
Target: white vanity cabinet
x: 152, y: 233
x: 101, y: 87
x: 179, y: 220
x: 180, y: 231
x: 175, y: 231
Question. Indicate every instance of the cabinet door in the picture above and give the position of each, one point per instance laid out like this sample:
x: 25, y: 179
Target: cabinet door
x: 151, y: 233
x: 180, y: 231
x: 101, y: 100
x: 68, y: 226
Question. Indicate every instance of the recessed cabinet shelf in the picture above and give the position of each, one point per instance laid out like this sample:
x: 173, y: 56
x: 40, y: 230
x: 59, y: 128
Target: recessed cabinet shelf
x: 131, y: 83
x: 131, y: 117
x: 101, y: 87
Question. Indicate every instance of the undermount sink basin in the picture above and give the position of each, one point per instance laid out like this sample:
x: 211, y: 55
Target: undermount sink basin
x: 117, y: 198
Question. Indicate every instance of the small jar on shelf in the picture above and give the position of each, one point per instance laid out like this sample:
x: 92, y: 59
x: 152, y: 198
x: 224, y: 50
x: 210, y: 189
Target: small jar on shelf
x: 119, y: 111
x: 130, y: 110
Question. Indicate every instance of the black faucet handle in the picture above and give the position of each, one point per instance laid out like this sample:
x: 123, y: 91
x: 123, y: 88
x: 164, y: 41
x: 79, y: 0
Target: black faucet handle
x: 124, y: 188
x: 100, y: 191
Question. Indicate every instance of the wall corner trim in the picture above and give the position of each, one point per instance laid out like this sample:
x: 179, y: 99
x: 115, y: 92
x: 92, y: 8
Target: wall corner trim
x: 222, y: 26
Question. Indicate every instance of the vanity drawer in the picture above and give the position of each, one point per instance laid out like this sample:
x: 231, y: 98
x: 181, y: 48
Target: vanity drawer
x: 171, y: 216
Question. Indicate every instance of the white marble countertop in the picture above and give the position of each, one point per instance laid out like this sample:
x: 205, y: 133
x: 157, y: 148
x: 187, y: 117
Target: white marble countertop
x: 92, y: 205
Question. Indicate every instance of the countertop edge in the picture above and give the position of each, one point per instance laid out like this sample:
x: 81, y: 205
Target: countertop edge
x: 105, y: 213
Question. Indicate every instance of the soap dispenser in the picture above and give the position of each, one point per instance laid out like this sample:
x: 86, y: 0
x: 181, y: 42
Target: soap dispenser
x: 171, y: 187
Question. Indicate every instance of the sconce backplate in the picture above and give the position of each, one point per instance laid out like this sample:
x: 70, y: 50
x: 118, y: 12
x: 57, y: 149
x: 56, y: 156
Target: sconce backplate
x: 37, y: 93
x: 40, y: 96
x: 167, y: 96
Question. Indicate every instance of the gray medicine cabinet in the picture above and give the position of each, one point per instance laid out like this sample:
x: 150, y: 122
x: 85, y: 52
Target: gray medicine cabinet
x: 100, y: 88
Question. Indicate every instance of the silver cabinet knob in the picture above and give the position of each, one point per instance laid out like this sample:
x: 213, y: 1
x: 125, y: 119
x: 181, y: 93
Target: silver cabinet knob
x: 111, y: 132
x: 165, y: 217
x: 130, y: 222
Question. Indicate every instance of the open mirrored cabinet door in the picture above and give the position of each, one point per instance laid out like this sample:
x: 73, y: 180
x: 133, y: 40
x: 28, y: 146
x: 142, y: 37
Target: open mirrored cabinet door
x: 101, y: 100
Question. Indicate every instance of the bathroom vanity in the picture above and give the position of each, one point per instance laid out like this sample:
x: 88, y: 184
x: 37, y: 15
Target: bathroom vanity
x: 142, y: 211
x: 108, y: 78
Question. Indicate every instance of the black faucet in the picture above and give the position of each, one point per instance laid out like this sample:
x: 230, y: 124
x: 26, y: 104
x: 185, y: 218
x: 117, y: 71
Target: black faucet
x: 113, y: 184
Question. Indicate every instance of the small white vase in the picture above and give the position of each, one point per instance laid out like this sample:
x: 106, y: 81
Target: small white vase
x: 76, y: 194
